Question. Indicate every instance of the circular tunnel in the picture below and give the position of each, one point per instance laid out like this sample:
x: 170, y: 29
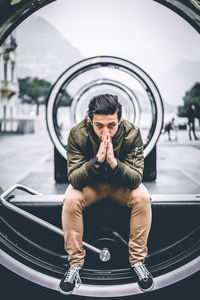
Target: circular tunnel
x: 69, y: 97
x: 40, y: 258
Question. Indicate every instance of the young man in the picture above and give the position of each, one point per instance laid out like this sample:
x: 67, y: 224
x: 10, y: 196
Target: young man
x: 105, y: 159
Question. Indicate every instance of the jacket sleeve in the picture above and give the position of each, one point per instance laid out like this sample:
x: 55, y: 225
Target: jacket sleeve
x: 81, y: 172
x: 130, y: 171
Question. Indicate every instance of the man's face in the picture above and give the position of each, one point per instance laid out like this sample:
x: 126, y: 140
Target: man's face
x: 105, y: 123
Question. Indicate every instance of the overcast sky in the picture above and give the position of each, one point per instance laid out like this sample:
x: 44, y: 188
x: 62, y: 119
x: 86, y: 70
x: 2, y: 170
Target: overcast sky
x: 142, y: 31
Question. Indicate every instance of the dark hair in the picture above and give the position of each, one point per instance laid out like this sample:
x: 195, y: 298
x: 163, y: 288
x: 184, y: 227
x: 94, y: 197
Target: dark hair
x: 105, y: 104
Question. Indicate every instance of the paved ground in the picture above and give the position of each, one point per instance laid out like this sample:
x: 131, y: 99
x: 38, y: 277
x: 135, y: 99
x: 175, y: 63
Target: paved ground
x: 28, y: 159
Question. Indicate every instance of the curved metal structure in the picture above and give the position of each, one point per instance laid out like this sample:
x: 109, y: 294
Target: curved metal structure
x: 133, y: 99
x: 103, y: 291
x: 111, y: 62
x: 32, y: 258
x: 15, y: 11
x: 29, y: 256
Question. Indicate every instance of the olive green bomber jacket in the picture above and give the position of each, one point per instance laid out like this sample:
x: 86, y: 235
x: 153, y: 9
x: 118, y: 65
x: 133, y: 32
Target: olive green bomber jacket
x: 83, y: 144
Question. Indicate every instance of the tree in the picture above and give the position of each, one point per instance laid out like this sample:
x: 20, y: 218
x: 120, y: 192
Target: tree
x: 34, y: 91
x: 191, y: 97
x: 65, y: 99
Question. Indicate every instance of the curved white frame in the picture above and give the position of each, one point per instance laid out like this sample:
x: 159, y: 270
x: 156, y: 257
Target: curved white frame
x: 114, y: 82
x: 98, y: 290
x: 112, y: 60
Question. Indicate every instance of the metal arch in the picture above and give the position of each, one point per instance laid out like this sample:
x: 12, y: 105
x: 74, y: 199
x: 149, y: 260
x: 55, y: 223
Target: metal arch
x: 112, y: 83
x: 91, y: 290
x: 14, y: 13
x: 187, y: 9
x: 42, y: 279
x: 91, y: 63
x: 103, y: 291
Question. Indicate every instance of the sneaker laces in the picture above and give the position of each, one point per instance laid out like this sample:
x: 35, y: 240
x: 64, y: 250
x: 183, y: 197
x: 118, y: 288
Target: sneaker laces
x: 73, y: 274
x: 141, y: 271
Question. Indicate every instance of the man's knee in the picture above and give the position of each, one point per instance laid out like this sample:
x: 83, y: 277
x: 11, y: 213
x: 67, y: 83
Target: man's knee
x: 73, y: 201
x: 141, y: 199
x: 144, y: 200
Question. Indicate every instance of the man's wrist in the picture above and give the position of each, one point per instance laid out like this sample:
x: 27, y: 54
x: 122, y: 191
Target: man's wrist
x: 96, y: 162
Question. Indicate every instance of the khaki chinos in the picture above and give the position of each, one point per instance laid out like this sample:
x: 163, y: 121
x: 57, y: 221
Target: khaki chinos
x: 72, y: 219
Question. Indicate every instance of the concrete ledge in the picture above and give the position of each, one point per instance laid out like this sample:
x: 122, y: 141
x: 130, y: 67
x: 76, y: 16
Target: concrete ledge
x: 157, y: 199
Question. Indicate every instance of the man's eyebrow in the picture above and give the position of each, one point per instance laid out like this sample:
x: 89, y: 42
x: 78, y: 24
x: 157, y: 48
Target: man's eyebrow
x: 98, y: 123
x: 103, y: 123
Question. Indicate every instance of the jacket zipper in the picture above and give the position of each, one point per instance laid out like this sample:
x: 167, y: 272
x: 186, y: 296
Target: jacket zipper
x: 106, y: 170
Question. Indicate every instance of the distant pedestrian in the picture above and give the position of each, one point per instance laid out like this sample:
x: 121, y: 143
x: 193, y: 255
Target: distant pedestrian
x: 171, y: 126
x: 191, y: 121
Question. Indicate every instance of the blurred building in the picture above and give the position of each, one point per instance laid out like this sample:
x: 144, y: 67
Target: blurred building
x: 8, y: 85
x: 12, y: 118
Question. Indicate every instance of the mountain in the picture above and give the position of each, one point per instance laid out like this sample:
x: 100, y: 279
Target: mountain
x: 42, y: 51
x: 177, y: 80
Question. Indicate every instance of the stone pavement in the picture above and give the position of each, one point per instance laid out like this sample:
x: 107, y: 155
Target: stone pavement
x: 28, y: 159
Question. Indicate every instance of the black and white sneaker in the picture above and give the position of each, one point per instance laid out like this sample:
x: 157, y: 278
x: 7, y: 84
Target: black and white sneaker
x: 144, y: 277
x: 70, y: 280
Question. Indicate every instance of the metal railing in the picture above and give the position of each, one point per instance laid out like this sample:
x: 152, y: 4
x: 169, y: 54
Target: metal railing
x: 104, y: 254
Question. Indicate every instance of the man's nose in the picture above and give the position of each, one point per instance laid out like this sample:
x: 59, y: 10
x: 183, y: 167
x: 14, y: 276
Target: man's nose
x: 106, y: 130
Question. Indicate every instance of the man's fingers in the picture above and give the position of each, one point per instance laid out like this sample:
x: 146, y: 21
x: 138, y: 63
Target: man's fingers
x: 109, y: 145
x: 108, y: 136
x: 104, y: 145
x: 107, y: 148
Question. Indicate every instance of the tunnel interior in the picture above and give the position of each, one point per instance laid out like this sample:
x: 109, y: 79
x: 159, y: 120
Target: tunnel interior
x: 168, y: 248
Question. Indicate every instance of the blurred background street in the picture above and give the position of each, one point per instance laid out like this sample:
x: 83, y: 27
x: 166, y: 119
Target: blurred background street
x: 28, y: 159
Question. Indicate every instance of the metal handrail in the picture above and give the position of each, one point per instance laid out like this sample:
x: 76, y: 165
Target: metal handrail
x: 34, y: 218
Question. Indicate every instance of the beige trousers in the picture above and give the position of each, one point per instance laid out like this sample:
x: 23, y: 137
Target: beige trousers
x: 72, y: 220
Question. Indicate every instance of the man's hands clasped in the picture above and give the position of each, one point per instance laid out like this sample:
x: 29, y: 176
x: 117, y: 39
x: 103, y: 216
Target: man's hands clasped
x: 105, y: 151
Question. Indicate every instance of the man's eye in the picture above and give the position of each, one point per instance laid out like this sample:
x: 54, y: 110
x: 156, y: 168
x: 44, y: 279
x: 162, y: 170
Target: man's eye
x: 111, y: 125
x: 99, y: 126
